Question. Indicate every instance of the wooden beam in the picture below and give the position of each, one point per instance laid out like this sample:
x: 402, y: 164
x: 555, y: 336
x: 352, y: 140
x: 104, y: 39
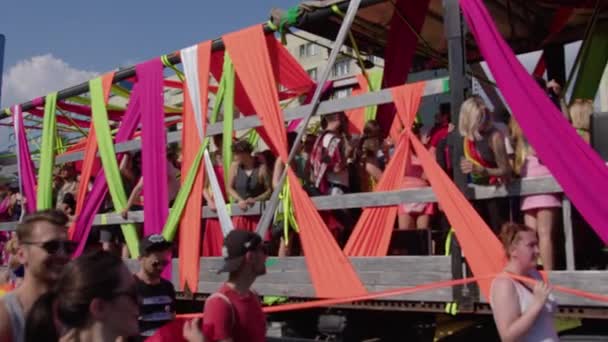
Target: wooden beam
x: 383, y: 96
x: 521, y: 187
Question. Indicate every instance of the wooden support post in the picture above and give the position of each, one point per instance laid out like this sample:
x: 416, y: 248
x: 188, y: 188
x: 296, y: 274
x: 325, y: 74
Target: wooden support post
x: 568, y: 235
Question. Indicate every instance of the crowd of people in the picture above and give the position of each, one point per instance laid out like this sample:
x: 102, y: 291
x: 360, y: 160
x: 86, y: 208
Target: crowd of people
x: 96, y: 298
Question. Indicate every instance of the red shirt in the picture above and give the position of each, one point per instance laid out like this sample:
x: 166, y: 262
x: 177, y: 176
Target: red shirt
x: 249, y: 320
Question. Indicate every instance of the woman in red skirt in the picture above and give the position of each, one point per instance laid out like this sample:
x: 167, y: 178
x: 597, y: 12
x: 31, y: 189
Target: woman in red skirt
x: 248, y: 182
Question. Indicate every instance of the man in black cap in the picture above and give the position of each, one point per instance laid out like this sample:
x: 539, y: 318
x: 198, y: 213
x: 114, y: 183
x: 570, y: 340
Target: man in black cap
x: 157, y: 306
x: 234, y: 312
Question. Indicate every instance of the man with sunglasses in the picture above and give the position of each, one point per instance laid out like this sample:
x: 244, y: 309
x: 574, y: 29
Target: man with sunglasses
x: 43, y: 249
x: 234, y: 312
x: 157, y: 295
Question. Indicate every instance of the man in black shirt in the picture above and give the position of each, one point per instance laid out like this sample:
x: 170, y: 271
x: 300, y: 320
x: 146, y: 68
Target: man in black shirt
x: 157, y: 295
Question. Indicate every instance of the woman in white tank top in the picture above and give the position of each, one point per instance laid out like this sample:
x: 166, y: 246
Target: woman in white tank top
x: 522, y: 312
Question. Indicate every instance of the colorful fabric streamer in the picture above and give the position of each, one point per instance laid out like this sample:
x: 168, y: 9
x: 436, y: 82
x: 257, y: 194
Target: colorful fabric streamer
x: 400, y: 50
x: 154, y: 146
x: 577, y: 168
x: 44, y: 198
x: 189, y: 199
x: 96, y: 196
x: 228, y: 103
x: 592, y: 64
x: 110, y: 178
x: 27, y: 177
x: 90, y: 157
x: 331, y: 272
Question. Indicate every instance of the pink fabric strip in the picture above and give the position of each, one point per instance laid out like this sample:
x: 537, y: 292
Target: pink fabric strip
x: 578, y: 169
x: 38, y: 101
x: 154, y: 146
x: 26, y: 166
x: 97, y: 195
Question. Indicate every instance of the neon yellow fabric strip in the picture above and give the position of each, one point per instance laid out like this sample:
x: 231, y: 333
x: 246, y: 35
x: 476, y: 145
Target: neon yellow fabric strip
x: 109, y: 162
x: 44, y: 194
x: 228, y: 101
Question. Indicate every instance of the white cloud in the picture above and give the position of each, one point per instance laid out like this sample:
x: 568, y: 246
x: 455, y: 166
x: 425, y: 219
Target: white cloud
x: 39, y: 76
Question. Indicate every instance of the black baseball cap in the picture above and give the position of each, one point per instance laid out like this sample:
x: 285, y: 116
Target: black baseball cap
x: 154, y: 242
x: 236, y: 244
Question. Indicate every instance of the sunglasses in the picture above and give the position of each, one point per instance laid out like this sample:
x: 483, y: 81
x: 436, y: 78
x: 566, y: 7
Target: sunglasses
x: 53, y: 246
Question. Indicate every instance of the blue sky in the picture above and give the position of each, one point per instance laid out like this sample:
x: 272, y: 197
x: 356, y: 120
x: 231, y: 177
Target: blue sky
x: 85, y: 37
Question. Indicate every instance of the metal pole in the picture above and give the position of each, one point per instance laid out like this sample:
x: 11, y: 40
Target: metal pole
x: 174, y: 58
x: 453, y: 26
x: 353, y: 6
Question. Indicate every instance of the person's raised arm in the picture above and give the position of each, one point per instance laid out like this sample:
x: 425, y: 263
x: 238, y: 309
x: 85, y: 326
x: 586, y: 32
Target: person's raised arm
x: 276, y: 174
x: 133, y: 197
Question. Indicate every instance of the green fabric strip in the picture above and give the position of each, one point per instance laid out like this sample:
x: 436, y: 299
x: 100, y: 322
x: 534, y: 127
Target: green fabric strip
x: 109, y: 162
x: 592, y: 63
x: 228, y: 101
x: 375, y: 82
x: 253, y: 137
x: 44, y: 194
x: 175, y: 214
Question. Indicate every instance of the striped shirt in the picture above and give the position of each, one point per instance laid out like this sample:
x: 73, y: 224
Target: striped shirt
x: 157, y: 306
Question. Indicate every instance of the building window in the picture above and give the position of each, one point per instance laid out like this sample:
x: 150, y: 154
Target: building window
x: 341, y: 93
x: 312, y: 73
x: 308, y: 49
x: 341, y: 68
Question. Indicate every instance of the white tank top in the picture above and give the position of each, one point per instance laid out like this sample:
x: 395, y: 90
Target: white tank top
x: 543, y: 329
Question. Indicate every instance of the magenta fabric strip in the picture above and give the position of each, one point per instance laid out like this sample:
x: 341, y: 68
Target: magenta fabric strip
x: 154, y: 146
x: 399, y: 52
x: 577, y: 168
x: 27, y: 177
x: 97, y: 195
x: 38, y: 101
x: 326, y: 88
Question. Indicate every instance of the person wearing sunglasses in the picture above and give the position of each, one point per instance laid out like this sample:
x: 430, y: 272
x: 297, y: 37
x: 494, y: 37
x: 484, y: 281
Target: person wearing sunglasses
x: 158, y: 295
x: 94, y: 299
x: 234, y: 312
x: 43, y: 250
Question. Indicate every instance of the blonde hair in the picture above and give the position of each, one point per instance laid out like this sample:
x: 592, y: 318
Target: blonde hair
x: 472, y: 114
x: 580, y: 113
x: 521, y: 145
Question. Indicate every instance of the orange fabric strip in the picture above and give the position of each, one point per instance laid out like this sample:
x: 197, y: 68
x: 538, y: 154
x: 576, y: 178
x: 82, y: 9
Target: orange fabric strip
x: 372, y: 234
x: 190, y: 224
x: 481, y: 247
x: 90, y: 156
x: 331, y: 272
x: 356, y: 117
